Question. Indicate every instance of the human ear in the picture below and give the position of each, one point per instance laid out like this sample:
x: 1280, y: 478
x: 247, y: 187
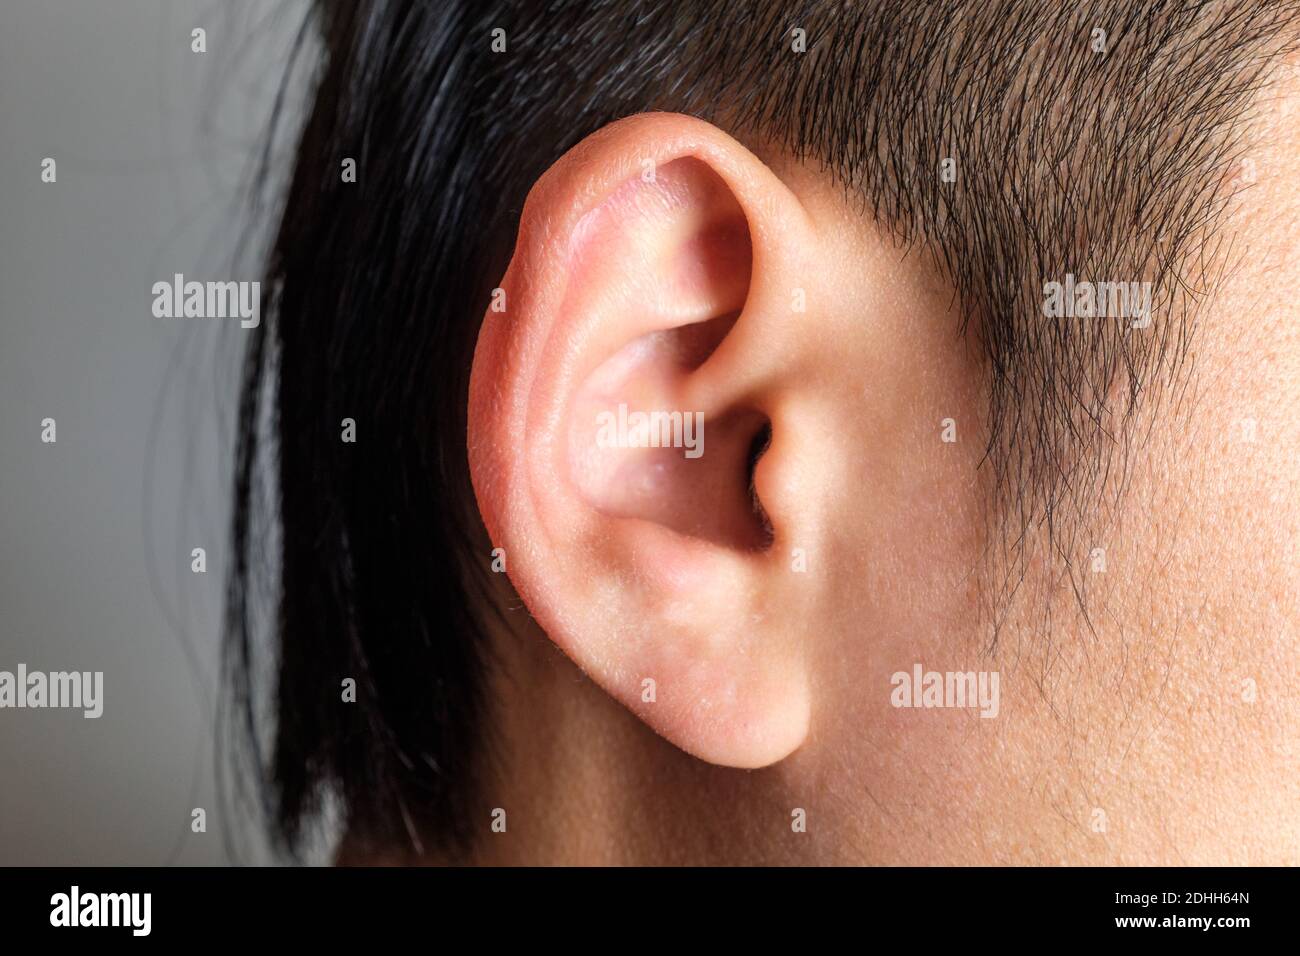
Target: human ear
x: 638, y: 439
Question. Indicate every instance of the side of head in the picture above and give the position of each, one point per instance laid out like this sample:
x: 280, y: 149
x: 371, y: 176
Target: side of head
x: 876, y: 418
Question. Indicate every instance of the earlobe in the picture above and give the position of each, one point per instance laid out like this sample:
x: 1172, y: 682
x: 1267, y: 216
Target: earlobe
x: 621, y: 412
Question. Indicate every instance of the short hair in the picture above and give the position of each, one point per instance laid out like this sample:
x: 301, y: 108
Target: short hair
x: 1091, y: 139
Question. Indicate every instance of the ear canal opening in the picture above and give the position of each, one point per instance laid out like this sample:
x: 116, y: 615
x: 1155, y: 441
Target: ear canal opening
x: 762, y: 441
x: 636, y: 453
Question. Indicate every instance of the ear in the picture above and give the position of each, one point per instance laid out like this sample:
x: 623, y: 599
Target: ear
x: 638, y: 441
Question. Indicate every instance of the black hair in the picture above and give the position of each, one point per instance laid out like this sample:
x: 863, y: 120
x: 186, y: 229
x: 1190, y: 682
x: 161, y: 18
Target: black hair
x: 1114, y: 162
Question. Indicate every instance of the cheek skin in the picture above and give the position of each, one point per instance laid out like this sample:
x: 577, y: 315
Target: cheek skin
x: 906, y: 535
x: 1162, y: 728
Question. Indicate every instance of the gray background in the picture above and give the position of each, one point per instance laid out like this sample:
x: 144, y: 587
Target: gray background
x: 156, y: 149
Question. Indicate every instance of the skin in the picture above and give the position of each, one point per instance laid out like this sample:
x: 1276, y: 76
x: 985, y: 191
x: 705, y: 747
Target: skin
x: 1162, y: 728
